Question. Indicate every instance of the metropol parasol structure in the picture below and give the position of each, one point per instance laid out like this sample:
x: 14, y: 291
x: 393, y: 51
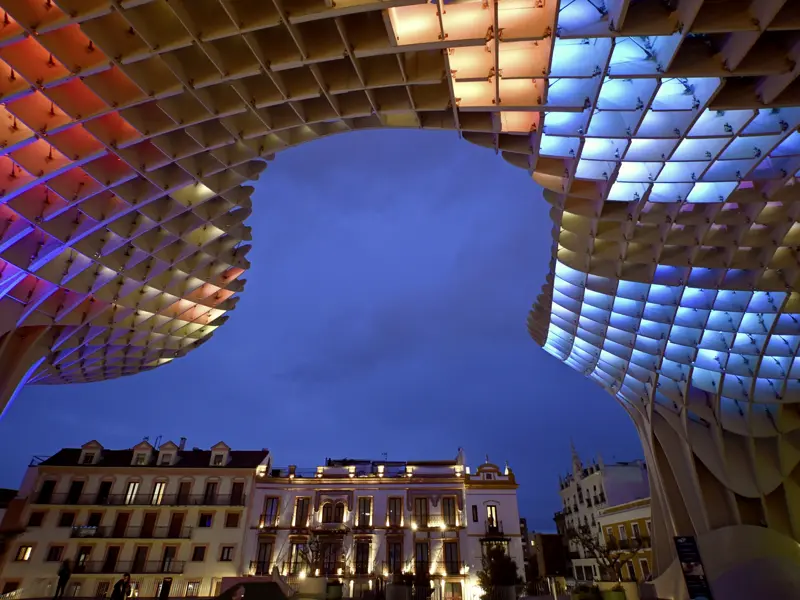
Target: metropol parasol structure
x: 664, y: 133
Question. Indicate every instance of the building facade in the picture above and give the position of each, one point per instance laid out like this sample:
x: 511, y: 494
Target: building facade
x: 585, y: 492
x: 627, y: 528
x: 165, y: 514
x: 367, y: 521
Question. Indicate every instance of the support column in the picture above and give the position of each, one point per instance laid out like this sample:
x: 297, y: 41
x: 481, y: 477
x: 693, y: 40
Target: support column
x: 722, y: 488
x: 21, y: 353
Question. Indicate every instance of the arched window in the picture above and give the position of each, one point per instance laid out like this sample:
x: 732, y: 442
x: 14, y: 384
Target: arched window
x: 338, y: 513
x: 327, y: 513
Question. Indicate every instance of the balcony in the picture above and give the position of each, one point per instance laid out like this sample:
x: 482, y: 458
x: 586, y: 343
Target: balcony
x: 634, y: 544
x: 141, y: 500
x: 324, y: 568
x: 261, y: 568
x: 443, y: 522
x: 363, y: 524
x: 150, y: 533
x: 169, y: 567
x: 268, y: 521
x: 493, y: 528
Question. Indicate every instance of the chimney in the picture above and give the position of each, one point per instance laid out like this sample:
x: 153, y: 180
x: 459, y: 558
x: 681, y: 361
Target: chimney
x: 182, y: 445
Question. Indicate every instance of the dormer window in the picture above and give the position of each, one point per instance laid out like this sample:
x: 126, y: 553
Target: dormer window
x: 217, y: 460
x: 166, y: 459
x: 88, y: 458
x: 140, y: 459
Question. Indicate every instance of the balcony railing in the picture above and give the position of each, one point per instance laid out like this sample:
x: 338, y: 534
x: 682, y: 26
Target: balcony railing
x: 493, y: 527
x: 261, y: 567
x: 392, y: 567
x: 110, y: 531
x: 267, y: 521
x: 634, y: 544
x: 142, y: 499
x: 447, y: 521
x: 322, y: 568
x: 174, y: 567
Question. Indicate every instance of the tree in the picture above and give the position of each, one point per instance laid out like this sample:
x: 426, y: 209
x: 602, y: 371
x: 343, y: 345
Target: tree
x: 610, y: 556
x: 498, y: 571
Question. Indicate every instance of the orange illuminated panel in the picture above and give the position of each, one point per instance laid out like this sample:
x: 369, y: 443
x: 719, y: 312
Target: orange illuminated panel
x: 519, y: 121
x: 472, y: 62
x: 416, y: 24
x: 523, y: 59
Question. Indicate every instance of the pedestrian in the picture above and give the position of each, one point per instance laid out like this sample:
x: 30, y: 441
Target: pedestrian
x: 64, y: 573
x: 122, y: 589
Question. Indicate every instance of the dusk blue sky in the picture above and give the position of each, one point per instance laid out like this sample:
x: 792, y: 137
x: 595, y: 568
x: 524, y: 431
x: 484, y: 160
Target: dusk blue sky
x: 384, y: 312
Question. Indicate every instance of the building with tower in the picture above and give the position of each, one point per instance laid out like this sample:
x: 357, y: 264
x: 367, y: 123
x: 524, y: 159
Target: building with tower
x: 369, y: 520
x: 585, y: 492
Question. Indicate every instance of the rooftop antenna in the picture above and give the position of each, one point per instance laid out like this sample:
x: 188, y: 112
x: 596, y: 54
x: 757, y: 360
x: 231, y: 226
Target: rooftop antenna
x: 158, y: 442
x: 385, y: 456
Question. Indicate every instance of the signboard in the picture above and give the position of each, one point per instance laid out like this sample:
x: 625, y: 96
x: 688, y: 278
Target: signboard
x: 692, y: 566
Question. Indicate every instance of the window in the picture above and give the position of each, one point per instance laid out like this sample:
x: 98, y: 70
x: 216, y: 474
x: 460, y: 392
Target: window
x: 46, y: 492
x: 165, y: 460
x: 217, y: 461
x: 301, y: 512
x: 102, y: 589
x: 131, y: 491
x: 36, y: 518
x: 232, y: 519
x: 54, y: 553
x: 94, y: 519
x: 198, y: 554
x: 631, y: 571
x: 270, y: 516
x: 338, y: 513
x: 140, y: 459
x: 226, y: 554
x: 192, y: 589
x: 296, y: 552
x: 210, y: 493
x: 649, y: 533
x: 394, y: 554
x: 158, y: 492
x: 327, y: 513
x: 622, y: 534
x: 421, y: 557
x: 66, y: 519
x: 75, y: 589
x: 395, y: 512
x: 365, y: 512
x: 74, y: 493
x: 635, y: 530
x: 263, y: 557
x: 205, y: 520
x: 452, y: 590
x: 451, y: 558
x: 491, y: 516
x: 449, y: 511
x: 421, y: 511
x: 88, y: 458
x: 24, y: 553
x: 474, y: 513
x: 362, y: 558
x: 645, y: 566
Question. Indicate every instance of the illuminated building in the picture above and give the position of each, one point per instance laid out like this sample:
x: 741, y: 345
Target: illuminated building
x: 663, y: 131
x: 626, y: 528
x: 158, y: 512
x: 374, y: 520
x: 585, y: 492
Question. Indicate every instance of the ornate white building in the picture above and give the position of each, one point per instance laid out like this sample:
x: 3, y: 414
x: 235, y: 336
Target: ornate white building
x: 160, y: 513
x: 372, y: 519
